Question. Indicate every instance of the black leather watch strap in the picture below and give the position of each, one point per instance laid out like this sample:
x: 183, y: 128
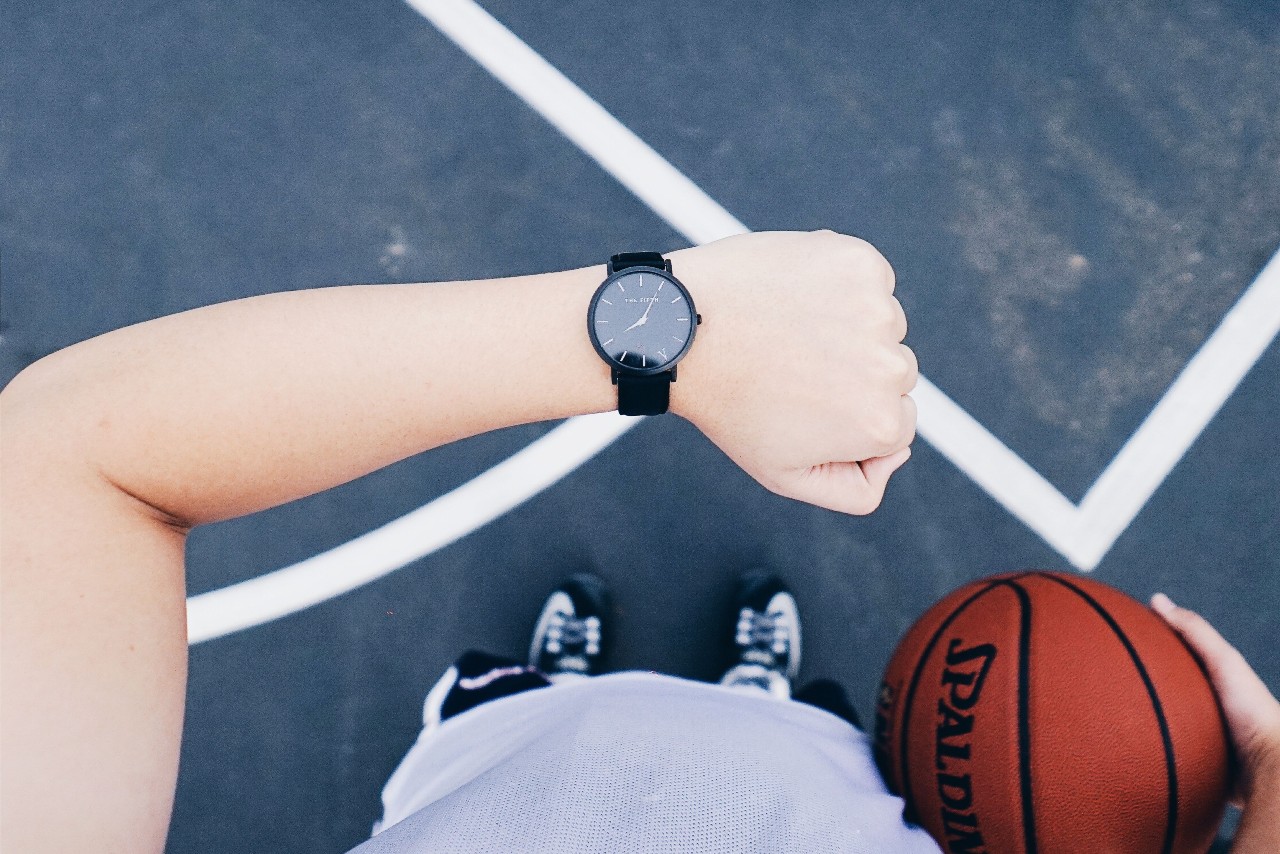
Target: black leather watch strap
x: 644, y: 395
x: 623, y: 260
x: 648, y: 394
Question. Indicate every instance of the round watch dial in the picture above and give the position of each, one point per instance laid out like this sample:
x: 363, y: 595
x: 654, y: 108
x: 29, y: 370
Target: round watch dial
x: 642, y: 320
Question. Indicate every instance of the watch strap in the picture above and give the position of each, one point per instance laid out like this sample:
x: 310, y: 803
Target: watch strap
x: 648, y: 394
x: 623, y: 260
x: 644, y: 395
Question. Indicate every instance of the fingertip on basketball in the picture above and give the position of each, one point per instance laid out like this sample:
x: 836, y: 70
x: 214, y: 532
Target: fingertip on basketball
x: 1182, y: 620
x: 1163, y: 605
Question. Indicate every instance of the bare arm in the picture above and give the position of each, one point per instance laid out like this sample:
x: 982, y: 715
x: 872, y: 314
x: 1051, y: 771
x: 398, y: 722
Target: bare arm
x: 113, y: 449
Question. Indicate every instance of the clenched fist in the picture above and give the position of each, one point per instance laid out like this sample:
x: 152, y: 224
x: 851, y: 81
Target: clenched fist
x: 798, y: 372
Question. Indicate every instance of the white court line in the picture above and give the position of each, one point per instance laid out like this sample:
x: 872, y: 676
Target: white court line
x: 1195, y: 397
x: 990, y: 463
x: 402, y: 541
x: 643, y: 171
x: 1081, y: 534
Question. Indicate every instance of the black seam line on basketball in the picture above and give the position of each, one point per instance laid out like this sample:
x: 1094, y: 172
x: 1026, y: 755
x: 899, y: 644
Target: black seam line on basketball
x: 915, y: 681
x: 1171, y: 770
x: 1024, y: 718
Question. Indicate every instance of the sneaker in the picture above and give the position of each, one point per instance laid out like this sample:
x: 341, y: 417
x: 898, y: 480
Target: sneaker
x: 766, y: 637
x: 567, y: 638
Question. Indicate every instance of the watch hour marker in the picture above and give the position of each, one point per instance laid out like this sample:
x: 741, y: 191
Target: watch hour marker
x: 623, y: 357
x: 682, y: 318
x: 676, y: 300
x: 602, y: 321
x: 607, y: 343
x: 677, y: 338
x: 605, y: 301
x: 621, y: 288
x: 640, y: 279
x: 643, y: 361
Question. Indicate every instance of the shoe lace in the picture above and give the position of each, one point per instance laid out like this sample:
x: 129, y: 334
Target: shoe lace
x: 764, y: 632
x: 567, y: 632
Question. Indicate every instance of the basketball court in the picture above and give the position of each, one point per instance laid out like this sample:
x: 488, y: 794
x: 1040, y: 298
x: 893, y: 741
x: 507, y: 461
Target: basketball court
x: 1082, y: 203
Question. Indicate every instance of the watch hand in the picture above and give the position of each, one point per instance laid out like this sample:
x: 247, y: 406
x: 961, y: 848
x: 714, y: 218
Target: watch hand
x: 644, y: 318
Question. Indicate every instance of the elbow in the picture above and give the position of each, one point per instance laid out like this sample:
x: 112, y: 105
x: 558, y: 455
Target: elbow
x: 36, y: 427
x: 57, y: 415
x: 48, y: 417
x: 36, y: 406
x: 21, y: 402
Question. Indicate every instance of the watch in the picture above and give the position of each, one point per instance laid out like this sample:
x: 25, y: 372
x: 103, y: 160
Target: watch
x: 641, y: 321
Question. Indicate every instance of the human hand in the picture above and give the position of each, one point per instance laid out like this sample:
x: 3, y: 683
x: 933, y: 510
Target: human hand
x: 798, y: 373
x: 1252, y: 713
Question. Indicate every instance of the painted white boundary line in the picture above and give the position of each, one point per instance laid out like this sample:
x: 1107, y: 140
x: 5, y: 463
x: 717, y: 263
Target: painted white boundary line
x: 1195, y: 397
x: 639, y: 168
x: 992, y: 465
x: 1082, y: 534
x: 402, y: 541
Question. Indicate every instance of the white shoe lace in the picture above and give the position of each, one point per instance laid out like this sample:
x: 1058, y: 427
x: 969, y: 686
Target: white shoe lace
x: 763, y: 637
x: 567, y: 632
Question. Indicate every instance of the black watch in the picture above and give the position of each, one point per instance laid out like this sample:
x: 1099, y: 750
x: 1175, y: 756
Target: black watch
x: 641, y: 322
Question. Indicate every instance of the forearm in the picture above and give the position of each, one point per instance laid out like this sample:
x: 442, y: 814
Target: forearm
x: 237, y: 407
x: 114, y: 447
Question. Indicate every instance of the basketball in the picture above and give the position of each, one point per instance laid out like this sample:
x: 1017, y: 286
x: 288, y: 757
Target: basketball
x: 1045, y: 712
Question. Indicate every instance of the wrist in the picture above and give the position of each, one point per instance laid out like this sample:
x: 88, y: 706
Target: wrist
x: 641, y: 332
x: 528, y: 352
x: 1262, y: 769
x: 585, y: 384
x: 702, y: 280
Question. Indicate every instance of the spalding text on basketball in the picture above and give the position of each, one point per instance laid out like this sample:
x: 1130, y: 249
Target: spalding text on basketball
x: 962, y: 680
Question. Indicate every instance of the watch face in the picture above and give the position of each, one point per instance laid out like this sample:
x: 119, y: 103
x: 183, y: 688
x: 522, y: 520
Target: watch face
x: 642, y: 320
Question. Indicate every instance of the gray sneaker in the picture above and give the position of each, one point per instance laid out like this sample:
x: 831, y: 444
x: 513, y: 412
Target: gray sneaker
x: 569, y: 635
x: 766, y: 636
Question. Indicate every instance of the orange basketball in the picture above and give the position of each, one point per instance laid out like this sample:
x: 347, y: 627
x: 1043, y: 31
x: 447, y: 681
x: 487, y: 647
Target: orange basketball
x: 1044, y: 712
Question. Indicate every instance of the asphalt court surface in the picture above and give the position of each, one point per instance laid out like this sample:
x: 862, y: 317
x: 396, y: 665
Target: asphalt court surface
x: 1072, y: 194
